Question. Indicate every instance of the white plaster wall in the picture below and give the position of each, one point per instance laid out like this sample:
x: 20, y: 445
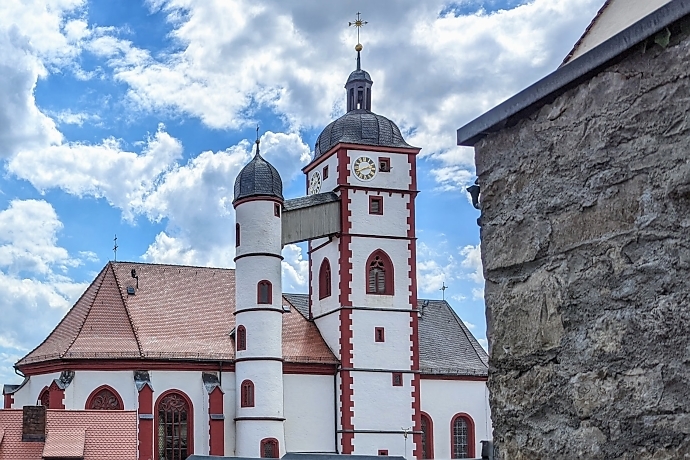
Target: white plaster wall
x: 378, y: 404
x: 443, y: 399
x: 267, y: 377
x: 369, y: 444
x: 29, y: 393
x: 397, y: 178
x: 394, y: 352
x: 329, y: 327
x: 264, y: 333
x: 332, y: 302
x: 309, y: 413
x: 260, y: 230
x: 248, y: 272
x: 191, y: 384
x: 399, y: 254
x: 227, y: 384
x: 393, y: 221
x: 329, y: 184
x: 251, y: 432
x: 618, y: 16
x: 85, y: 382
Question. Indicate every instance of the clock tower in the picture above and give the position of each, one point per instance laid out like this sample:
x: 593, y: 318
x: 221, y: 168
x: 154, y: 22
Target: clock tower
x: 362, y: 286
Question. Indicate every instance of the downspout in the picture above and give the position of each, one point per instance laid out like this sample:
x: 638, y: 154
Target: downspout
x: 19, y: 373
x: 335, y: 408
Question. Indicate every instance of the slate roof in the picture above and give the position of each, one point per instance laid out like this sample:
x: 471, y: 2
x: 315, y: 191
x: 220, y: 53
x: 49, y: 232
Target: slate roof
x: 360, y: 127
x: 359, y: 75
x: 258, y: 178
x: 99, y: 435
x: 310, y: 200
x: 177, y: 312
x: 446, y: 345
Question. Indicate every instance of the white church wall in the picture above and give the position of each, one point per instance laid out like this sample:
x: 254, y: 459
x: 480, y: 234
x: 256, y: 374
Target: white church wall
x: 191, y: 384
x: 394, y: 352
x: 257, y: 234
x: 329, y: 327
x: 29, y: 393
x: 394, y: 443
x: 399, y: 254
x: 248, y: 272
x: 393, y: 221
x: 228, y: 385
x: 85, y: 382
x: 268, y: 387
x: 443, y: 399
x: 330, y: 182
x: 378, y: 404
x: 250, y: 434
x: 262, y: 329
x: 309, y: 413
x: 398, y: 177
x: 330, y: 251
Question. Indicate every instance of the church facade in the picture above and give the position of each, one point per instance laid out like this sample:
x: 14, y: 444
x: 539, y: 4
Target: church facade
x: 221, y: 362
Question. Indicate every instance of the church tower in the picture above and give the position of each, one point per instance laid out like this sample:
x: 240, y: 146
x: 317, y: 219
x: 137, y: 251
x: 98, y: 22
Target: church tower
x: 258, y: 322
x: 363, y: 288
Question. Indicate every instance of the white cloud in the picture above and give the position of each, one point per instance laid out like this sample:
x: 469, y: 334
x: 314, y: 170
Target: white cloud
x: 469, y: 325
x: 484, y: 343
x: 435, y: 266
x: 472, y: 261
x: 295, y: 269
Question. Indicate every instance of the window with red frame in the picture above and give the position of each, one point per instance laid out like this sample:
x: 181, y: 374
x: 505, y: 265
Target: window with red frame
x: 325, y: 279
x: 276, y: 210
x: 383, y: 452
x: 397, y: 379
x: 44, y: 398
x: 237, y: 235
x: 269, y: 448
x: 379, y: 335
x: 247, y: 394
x: 104, y: 399
x: 241, y: 338
x: 263, y: 292
x: 376, y: 205
x: 427, y: 437
x: 384, y: 164
x: 174, y: 428
x: 379, y: 274
x: 325, y: 172
x: 463, y: 437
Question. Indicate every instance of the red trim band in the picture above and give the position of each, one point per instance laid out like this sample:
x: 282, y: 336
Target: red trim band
x: 235, y: 204
x: 267, y: 254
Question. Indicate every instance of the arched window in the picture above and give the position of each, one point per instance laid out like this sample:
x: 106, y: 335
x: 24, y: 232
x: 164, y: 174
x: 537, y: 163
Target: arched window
x: 325, y: 279
x: 379, y: 274
x: 247, y: 394
x: 175, y: 428
x: 462, y: 437
x: 427, y: 437
x: 237, y: 234
x: 263, y: 292
x: 269, y: 448
x: 104, y: 398
x: 241, y: 338
x: 44, y: 398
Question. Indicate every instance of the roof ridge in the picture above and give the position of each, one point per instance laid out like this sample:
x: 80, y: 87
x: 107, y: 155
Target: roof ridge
x: 129, y: 317
x: 470, y: 337
x: 171, y: 265
x: 63, y: 319
x: 86, y: 316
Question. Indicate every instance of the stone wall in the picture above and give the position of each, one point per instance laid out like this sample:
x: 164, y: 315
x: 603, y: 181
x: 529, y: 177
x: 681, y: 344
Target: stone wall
x: 585, y: 241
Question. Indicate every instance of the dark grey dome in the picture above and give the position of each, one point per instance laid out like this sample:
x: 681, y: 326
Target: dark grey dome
x: 359, y: 127
x: 359, y: 75
x: 258, y: 178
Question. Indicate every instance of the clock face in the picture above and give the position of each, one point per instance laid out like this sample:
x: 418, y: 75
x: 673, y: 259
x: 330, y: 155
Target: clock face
x: 364, y: 168
x: 314, y: 183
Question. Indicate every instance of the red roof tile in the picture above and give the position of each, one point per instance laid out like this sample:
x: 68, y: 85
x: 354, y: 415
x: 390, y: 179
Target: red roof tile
x: 176, y: 312
x: 103, y: 435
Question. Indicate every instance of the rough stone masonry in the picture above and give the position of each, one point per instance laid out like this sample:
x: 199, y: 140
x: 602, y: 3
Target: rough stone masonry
x: 585, y: 236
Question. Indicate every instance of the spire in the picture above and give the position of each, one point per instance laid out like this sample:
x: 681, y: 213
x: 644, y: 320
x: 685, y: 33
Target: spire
x: 359, y: 83
x: 258, y: 141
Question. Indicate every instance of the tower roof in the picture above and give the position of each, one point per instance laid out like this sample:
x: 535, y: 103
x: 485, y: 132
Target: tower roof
x: 258, y: 178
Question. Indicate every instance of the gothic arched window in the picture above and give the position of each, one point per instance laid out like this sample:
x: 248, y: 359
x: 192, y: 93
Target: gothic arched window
x: 241, y: 338
x: 263, y: 292
x: 247, y: 394
x: 462, y: 436
x: 174, y: 423
x: 44, y: 398
x: 427, y: 437
x: 325, y: 279
x: 379, y: 274
x: 269, y: 448
x: 104, y: 398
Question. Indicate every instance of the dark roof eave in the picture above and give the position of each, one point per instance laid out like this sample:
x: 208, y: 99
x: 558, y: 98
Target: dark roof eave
x: 571, y: 74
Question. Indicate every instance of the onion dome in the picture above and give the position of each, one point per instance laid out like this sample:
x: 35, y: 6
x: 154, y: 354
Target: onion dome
x: 258, y: 178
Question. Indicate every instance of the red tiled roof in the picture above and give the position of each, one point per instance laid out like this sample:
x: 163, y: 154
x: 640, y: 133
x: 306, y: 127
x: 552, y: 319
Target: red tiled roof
x: 177, y: 312
x: 102, y: 435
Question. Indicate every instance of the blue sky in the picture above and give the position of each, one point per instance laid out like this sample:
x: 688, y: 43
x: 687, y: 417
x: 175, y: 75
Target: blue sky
x: 134, y: 117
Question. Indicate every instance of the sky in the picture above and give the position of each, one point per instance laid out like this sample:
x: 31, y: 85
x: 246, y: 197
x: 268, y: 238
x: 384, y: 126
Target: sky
x: 133, y: 118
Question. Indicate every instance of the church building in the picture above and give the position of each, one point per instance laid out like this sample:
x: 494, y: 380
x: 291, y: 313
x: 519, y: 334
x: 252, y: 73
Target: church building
x: 222, y: 362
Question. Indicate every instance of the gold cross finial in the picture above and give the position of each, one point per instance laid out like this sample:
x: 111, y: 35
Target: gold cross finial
x: 359, y: 23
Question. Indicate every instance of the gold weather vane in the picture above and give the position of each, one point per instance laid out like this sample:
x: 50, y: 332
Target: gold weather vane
x: 358, y: 24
